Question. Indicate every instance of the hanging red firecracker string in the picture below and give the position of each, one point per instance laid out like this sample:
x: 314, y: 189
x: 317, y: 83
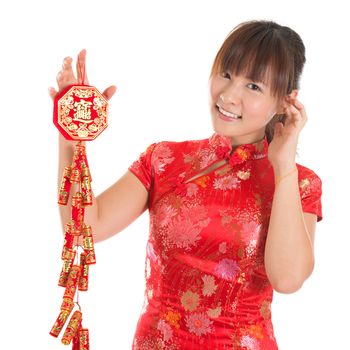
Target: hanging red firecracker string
x: 80, y: 114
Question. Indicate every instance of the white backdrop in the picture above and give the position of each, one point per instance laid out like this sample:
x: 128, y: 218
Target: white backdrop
x: 159, y: 54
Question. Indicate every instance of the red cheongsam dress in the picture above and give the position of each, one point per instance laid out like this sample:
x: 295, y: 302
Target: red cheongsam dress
x: 206, y: 284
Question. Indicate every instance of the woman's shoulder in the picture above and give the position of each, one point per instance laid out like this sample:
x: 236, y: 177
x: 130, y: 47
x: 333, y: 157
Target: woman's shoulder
x: 308, y: 178
x: 174, y: 146
x: 306, y: 171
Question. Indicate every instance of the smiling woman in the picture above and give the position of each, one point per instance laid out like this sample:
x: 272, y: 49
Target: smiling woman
x: 268, y: 57
x: 219, y: 240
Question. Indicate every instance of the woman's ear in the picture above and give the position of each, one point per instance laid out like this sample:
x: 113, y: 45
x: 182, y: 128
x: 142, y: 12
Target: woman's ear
x: 286, y: 101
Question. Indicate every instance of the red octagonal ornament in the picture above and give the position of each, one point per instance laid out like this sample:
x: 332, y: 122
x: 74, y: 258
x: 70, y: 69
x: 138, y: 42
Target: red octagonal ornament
x: 80, y: 112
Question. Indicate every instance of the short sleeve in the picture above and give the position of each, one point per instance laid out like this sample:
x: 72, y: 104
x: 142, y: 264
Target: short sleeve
x: 310, y: 186
x: 142, y: 167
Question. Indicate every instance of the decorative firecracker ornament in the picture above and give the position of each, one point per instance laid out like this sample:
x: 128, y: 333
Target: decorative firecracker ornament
x: 80, y: 114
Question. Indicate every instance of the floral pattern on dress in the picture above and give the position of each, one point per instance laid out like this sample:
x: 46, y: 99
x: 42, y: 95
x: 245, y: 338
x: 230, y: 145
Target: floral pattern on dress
x: 199, y: 323
x: 206, y: 284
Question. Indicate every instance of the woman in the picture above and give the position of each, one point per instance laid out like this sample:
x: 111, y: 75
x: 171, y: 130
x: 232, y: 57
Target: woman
x: 232, y: 216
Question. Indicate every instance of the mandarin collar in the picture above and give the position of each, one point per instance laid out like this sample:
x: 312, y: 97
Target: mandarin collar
x: 249, y: 151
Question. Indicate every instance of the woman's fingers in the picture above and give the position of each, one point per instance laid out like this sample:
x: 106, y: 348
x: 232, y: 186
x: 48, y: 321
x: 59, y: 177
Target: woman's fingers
x: 66, y: 76
x: 67, y: 68
x: 81, y: 68
x: 109, y: 92
x: 52, y: 92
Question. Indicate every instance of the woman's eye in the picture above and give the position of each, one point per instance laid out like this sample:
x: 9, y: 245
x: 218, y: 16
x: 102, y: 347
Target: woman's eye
x: 254, y: 87
x: 226, y: 75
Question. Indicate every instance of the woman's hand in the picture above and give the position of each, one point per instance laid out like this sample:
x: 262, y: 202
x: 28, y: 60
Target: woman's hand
x: 282, y: 149
x: 66, y: 77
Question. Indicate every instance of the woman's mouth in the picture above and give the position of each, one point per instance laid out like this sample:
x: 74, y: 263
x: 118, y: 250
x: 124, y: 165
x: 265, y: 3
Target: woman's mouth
x: 227, y: 116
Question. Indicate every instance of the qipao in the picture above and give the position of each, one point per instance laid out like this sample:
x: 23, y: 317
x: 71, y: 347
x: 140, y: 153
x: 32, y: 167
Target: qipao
x: 209, y: 207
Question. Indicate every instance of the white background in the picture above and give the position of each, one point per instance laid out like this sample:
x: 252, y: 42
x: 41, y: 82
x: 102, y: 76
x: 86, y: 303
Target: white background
x: 159, y: 54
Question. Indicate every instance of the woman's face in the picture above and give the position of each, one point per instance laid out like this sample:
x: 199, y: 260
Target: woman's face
x: 232, y: 96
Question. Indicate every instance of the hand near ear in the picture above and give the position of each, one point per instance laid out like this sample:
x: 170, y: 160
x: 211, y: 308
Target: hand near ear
x: 282, y: 149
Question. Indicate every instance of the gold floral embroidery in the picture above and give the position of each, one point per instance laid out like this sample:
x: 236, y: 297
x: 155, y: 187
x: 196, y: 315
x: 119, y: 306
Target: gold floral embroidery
x: 243, y: 175
x: 209, y: 286
x: 214, y: 312
x: 241, y: 278
x: 224, y: 170
x: 304, y: 183
x: 190, y: 300
x: 258, y: 199
x: 265, y: 309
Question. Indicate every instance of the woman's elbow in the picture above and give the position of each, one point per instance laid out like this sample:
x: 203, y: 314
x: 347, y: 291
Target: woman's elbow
x: 287, y: 286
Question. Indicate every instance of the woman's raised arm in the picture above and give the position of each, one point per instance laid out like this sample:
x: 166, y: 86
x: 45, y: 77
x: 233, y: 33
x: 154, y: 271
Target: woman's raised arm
x: 121, y: 203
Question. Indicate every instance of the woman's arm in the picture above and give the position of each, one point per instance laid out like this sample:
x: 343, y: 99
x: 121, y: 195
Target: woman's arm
x: 289, y: 255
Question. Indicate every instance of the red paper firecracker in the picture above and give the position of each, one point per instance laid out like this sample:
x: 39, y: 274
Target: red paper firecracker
x: 72, y: 282
x: 86, y: 190
x: 65, y: 186
x: 88, y: 244
x: 77, y: 212
x: 84, y: 275
x: 66, y: 269
x: 84, y: 339
x: 72, y: 328
x: 68, y: 244
x: 66, y: 309
x: 80, y: 114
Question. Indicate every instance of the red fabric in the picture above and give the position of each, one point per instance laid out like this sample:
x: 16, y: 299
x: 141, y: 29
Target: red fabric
x: 206, y: 284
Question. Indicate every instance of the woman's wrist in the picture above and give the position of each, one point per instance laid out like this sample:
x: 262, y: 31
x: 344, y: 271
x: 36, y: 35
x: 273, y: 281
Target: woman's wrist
x: 282, y: 171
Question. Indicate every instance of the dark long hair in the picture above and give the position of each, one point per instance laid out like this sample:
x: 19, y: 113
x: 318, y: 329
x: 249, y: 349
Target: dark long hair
x: 264, y: 51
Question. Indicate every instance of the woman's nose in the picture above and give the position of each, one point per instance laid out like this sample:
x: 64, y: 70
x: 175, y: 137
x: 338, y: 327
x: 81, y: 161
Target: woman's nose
x: 231, y: 95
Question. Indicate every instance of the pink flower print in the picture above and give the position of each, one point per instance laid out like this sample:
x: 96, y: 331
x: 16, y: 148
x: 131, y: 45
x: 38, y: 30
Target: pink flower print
x: 183, y: 234
x: 197, y: 214
x: 222, y: 247
x: 192, y: 190
x: 181, y: 190
x: 227, y: 269
x: 207, y: 158
x: 150, y: 252
x: 250, y: 343
x: 226, y: 183
x: 165, y: 329
x: 250, y: 233
x: 198, y: 323
x: 162, y: 157
x: 165, y: 214
x: 181, y: 186
x: 184, y: 230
